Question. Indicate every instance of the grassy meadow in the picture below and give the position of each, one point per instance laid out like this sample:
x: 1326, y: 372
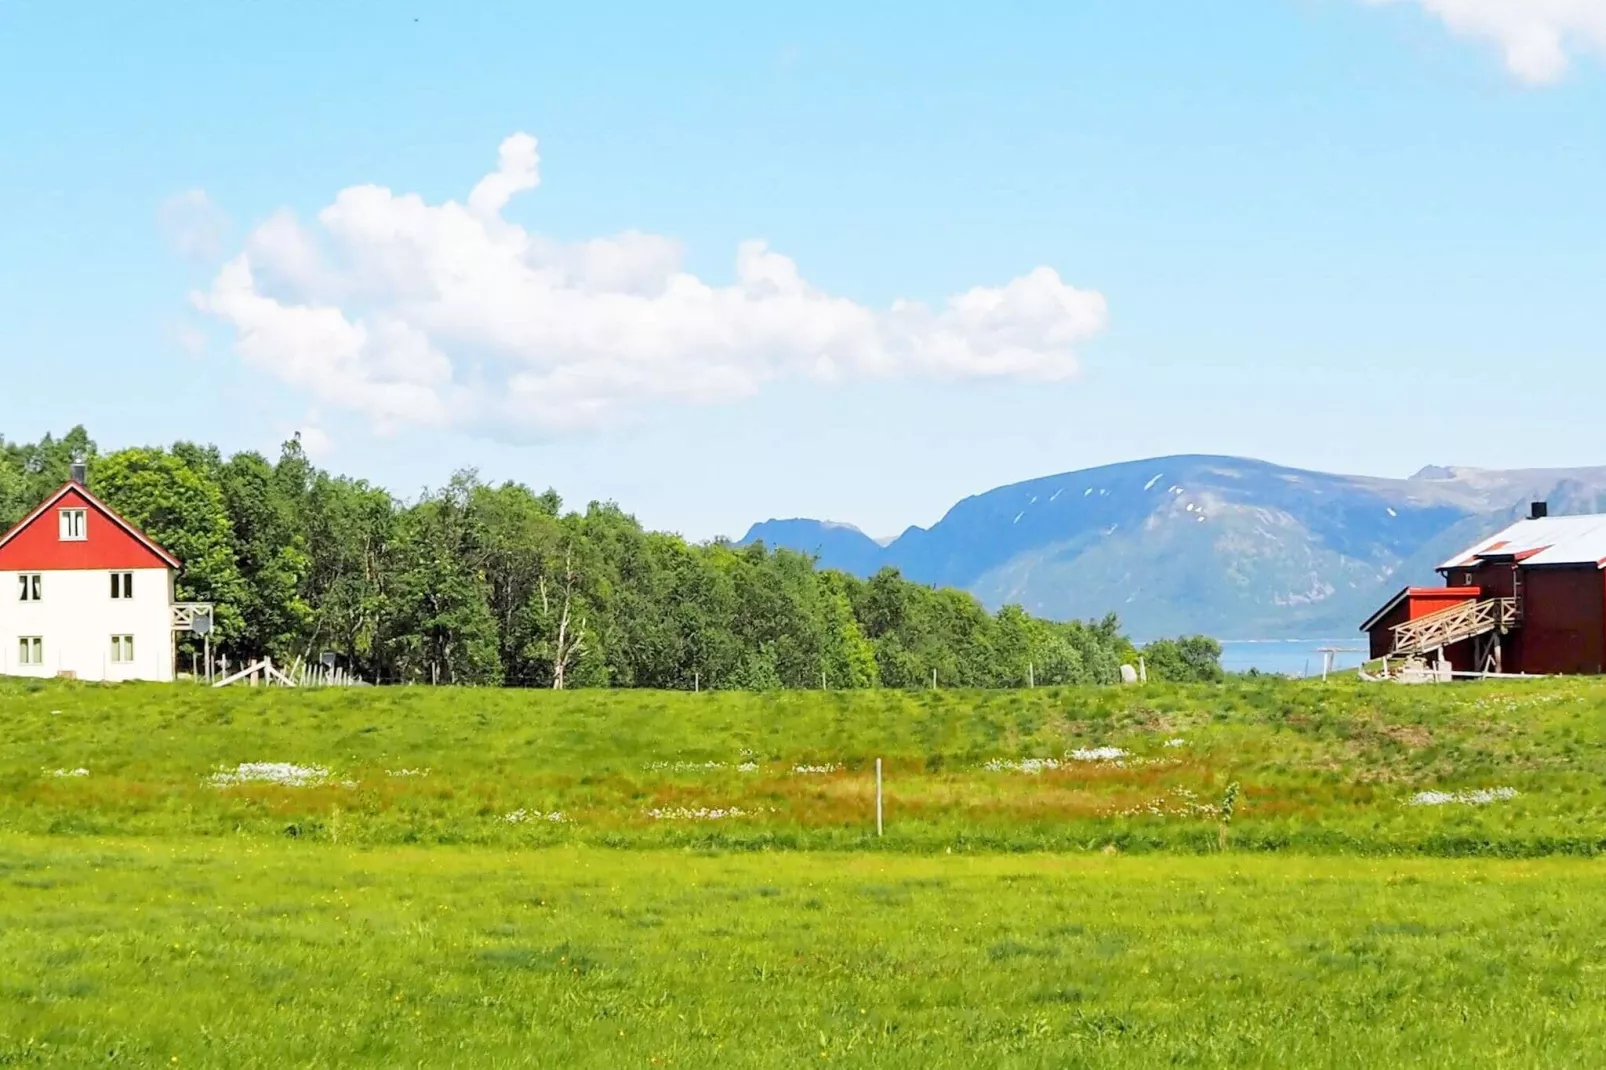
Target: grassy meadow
x: 272, y: 954
x: 1320, y: 768
x: 445, y: 877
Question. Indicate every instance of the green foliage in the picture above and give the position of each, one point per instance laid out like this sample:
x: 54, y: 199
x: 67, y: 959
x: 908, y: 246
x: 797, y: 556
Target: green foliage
x: 1195, y: 659
x: 175, y: 498
x: 480, y: 585
x: 30, y: 472
x: 271, y: 554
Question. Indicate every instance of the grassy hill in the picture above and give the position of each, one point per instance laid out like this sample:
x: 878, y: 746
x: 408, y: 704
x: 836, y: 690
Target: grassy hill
x: 484, y: 878
x: 1320, y: 767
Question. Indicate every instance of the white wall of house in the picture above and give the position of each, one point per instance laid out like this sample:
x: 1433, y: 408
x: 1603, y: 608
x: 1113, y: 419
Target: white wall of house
x: 76, y: 617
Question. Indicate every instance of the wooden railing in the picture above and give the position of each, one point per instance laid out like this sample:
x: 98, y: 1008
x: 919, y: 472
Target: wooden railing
x: 186, y: 615
x: 1460, y: 622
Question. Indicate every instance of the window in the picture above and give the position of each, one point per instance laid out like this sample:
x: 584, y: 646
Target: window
x: 122, y: 585
x: 122, y: 649
x: 73, y: 525
x: 31, y: 587
x: 30, y: 650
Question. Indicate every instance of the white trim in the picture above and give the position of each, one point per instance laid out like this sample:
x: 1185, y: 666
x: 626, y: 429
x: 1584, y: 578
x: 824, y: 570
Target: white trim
x: 72, y: 524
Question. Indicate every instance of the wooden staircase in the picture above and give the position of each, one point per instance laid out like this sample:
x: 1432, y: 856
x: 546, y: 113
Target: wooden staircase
x: 1468, y: 620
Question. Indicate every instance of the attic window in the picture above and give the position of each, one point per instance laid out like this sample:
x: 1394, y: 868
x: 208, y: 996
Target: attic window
x: 73, y: 525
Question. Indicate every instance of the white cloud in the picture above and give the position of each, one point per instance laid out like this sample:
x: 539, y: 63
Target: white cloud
x: 1538, y: 37
x: 449, y: 315
x: 195, y: 226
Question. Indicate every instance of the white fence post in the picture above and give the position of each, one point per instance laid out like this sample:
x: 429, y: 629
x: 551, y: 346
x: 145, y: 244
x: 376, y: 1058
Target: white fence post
x: 878, y: 811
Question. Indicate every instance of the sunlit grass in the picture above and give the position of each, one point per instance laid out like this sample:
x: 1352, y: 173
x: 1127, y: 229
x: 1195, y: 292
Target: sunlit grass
x: 440, y: 877
x: 240, y: 953
x: 1322, y: 767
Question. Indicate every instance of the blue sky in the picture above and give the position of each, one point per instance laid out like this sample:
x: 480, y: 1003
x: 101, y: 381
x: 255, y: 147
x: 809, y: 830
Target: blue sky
x: 1344, y: 234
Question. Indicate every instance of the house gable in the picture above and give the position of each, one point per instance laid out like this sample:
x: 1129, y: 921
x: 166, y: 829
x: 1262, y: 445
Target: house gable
x: 109, y: 542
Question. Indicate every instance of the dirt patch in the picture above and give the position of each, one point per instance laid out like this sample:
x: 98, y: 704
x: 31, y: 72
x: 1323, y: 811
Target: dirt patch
x: 1414, y: 736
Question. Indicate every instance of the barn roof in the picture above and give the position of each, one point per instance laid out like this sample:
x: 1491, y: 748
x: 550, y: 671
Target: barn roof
x: 1551, y: 540
x: 1434, y: 593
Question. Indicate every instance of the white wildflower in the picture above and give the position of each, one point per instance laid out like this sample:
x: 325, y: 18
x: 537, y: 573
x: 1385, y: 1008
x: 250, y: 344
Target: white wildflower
x: 747, y: 767
x: 1097, y: 754
x: 1179, y: 803
x: 285, y: 774
x: 407, y: 772
x: 522, y: 816
x: 806, y: 770
x: 68, y: 772
x: 1029, y: 766
x: 1477, y: 797
x: 1176, y: 743
x: 681, y: 813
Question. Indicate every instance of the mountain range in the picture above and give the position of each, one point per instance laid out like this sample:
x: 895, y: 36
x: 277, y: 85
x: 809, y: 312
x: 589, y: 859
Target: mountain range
x: 1225, y: 546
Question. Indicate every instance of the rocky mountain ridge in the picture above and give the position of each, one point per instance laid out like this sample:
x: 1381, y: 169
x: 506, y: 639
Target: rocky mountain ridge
x: 1229, y: 546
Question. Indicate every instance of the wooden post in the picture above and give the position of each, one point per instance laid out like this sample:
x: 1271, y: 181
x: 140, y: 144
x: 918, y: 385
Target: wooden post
x: 1031, y: 676
x: 878, y: 811
x: 696, y: 681
x: 934, y: 679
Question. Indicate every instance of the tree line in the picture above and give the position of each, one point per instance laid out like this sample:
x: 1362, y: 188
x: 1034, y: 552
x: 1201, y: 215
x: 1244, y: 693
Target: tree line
x: 499, y: 585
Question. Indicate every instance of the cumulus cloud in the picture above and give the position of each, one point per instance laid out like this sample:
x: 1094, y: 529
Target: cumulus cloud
x: 194, y: 225
x: 1538, y: 37
x: 450, y: 315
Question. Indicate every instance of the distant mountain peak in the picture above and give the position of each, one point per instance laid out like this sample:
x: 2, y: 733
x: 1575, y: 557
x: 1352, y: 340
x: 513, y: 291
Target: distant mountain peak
x: 1228, y: 546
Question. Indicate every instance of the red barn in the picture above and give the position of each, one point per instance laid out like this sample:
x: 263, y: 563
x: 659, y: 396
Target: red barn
x: 1530, y: 599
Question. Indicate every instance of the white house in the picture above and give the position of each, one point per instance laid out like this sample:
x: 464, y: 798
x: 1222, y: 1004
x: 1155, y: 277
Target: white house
x: 84, y: 593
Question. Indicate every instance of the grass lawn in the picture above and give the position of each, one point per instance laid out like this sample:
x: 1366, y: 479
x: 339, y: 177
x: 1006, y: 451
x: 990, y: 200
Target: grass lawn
x: 445, y: 877
x: 1334, y: 768
x: 242, y: 954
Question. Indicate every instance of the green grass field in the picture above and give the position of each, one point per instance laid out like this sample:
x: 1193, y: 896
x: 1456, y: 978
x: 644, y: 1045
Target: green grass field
x: 242, y: 954
x: 1057, y: 885
x: 1321, y: 768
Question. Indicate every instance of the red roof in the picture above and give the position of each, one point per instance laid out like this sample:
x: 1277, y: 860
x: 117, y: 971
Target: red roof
x: 109, y: 541
x: 1427, y: 594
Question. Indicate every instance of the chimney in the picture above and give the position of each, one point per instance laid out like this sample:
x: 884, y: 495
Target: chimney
x: 1539, y: 511
x: 79, y: 470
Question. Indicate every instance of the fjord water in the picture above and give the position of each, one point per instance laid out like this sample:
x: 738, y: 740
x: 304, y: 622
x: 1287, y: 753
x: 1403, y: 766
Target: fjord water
x: 1290, y: 657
